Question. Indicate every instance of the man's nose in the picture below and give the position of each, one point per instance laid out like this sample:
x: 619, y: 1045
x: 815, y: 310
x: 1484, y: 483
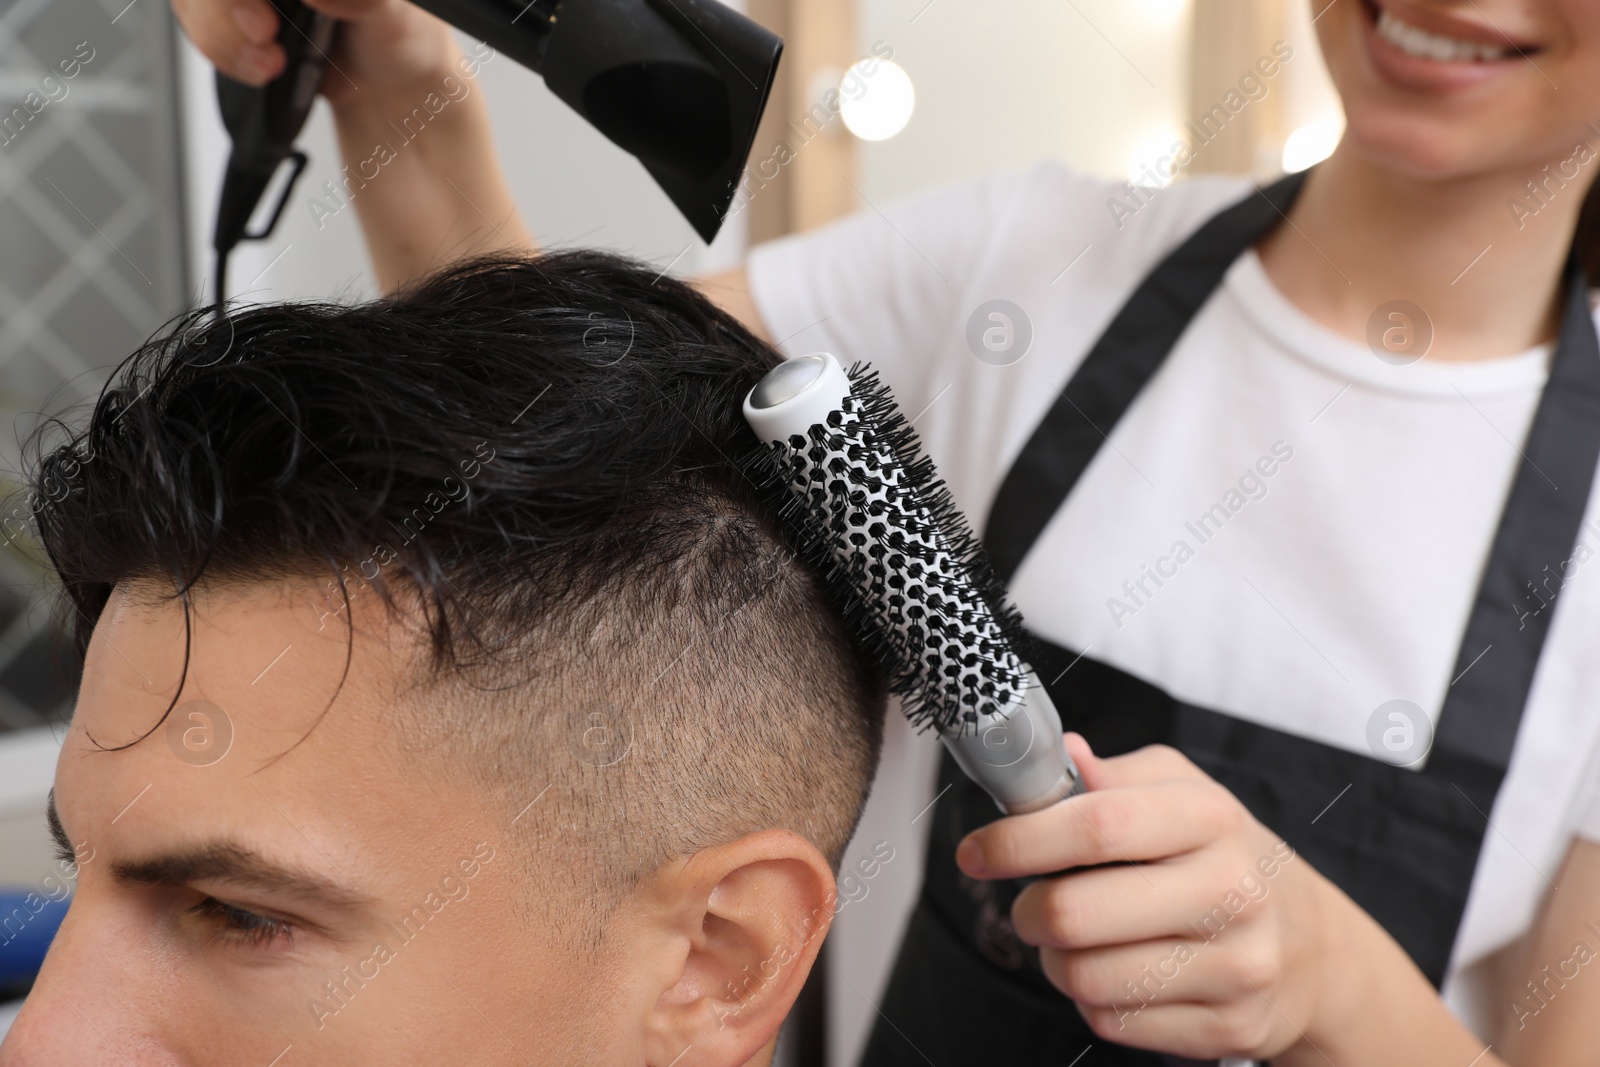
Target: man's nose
x: 78, y: 1013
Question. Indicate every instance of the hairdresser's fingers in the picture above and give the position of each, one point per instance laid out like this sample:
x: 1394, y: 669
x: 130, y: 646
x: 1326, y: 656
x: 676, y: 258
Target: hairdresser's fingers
x: 1169, y: 971
x: 237, y: 36
x: 1127, y: 904
x: 1146, y: 766
x: 1113, y: 825
x: 1234, y: 1028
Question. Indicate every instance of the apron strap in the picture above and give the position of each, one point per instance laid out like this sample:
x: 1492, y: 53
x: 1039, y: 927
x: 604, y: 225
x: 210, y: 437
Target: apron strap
x: 1117, y: 368
x: 1535, y: 541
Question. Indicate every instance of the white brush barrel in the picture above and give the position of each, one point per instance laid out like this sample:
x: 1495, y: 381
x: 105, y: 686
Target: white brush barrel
x: 1015, y: 752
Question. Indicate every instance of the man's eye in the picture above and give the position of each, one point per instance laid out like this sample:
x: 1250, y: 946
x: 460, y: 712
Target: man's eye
x: 235, y: 924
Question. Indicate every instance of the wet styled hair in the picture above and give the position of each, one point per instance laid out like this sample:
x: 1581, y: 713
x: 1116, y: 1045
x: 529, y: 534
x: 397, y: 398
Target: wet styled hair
x: 544, y: 461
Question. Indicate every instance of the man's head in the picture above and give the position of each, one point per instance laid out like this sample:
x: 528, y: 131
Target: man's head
x: 448, y: 697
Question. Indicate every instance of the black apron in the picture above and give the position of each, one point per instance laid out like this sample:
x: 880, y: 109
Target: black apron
x: 1402, y: 843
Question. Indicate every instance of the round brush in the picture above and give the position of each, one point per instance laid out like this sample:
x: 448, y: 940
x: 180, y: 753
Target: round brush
x: 872, y: 515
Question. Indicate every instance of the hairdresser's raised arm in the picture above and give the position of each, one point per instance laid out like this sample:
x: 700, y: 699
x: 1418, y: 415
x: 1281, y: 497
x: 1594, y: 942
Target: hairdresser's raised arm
x: 426, y: 195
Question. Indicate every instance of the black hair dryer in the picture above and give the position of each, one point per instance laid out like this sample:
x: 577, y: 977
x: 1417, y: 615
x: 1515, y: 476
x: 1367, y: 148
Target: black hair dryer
x: 679, y: 84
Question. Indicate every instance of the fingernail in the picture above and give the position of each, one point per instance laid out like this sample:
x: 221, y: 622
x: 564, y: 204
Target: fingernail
x: 254, y: 23
x: 969, y: 856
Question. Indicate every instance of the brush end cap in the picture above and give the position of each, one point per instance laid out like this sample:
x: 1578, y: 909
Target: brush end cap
x: 787, y: 380
x: 796, y: 395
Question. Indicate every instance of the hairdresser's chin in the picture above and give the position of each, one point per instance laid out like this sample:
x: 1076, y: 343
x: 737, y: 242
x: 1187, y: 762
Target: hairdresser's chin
x: 1447, y: 121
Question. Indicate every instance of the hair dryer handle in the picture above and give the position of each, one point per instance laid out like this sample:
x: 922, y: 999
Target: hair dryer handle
x: 271, y: 117
x: 264, y: 122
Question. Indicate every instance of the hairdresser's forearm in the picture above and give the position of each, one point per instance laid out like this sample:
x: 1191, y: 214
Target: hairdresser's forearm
x: 1376, y: 1008
x: 431, y: 193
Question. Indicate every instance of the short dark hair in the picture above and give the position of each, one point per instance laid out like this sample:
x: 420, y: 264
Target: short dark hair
x: 544, y: 457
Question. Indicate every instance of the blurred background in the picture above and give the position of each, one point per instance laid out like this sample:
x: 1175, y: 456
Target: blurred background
x: 108, y: 183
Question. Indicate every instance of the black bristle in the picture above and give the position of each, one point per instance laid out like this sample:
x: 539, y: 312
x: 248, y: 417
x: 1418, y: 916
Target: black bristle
x: 955, y: 653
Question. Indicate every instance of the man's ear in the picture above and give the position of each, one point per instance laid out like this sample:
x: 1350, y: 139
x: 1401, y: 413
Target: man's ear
x: 746, y: 920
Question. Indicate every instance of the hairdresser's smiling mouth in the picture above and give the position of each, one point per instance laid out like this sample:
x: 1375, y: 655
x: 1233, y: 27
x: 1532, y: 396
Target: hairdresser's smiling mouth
x: 1423, y: 50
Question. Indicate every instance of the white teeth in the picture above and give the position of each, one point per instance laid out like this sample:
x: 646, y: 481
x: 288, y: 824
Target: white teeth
x: 1416, y: 41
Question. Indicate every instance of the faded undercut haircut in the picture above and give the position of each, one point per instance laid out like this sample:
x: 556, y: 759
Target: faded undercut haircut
x: 544, y: 461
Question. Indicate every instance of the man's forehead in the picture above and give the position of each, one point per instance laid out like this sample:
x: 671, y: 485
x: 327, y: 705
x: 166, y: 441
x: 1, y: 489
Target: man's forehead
x: 274, y: 700
x: 285, y: 647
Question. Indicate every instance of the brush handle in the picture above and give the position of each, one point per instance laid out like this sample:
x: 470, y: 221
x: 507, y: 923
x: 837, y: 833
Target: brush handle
x: 1018, y: 757
x: 952, y: 662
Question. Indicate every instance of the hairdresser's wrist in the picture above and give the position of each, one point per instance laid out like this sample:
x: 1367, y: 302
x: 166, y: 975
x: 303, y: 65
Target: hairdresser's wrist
x: 1373, y: 1005
x: 1336, y: 984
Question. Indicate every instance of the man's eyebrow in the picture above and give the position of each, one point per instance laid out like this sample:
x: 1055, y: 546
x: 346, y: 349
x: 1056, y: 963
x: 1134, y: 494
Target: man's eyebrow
x: 234, y: 864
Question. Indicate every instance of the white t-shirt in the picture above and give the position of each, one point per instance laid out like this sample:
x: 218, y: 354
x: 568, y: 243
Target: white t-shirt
x: 1335, y: 583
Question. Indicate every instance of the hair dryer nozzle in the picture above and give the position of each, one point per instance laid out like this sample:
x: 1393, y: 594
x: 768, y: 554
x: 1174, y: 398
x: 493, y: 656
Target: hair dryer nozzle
x: 680, y: 84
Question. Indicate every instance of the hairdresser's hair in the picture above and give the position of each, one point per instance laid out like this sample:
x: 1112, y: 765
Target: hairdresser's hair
x: 543, y: 465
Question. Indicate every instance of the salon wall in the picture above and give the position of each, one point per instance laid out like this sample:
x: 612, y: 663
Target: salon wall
x: 999, y: 85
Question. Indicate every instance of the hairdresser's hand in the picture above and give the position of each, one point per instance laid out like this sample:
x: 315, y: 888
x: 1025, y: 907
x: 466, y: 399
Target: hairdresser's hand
x: 386, y: 47
x: 1216, y: 941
